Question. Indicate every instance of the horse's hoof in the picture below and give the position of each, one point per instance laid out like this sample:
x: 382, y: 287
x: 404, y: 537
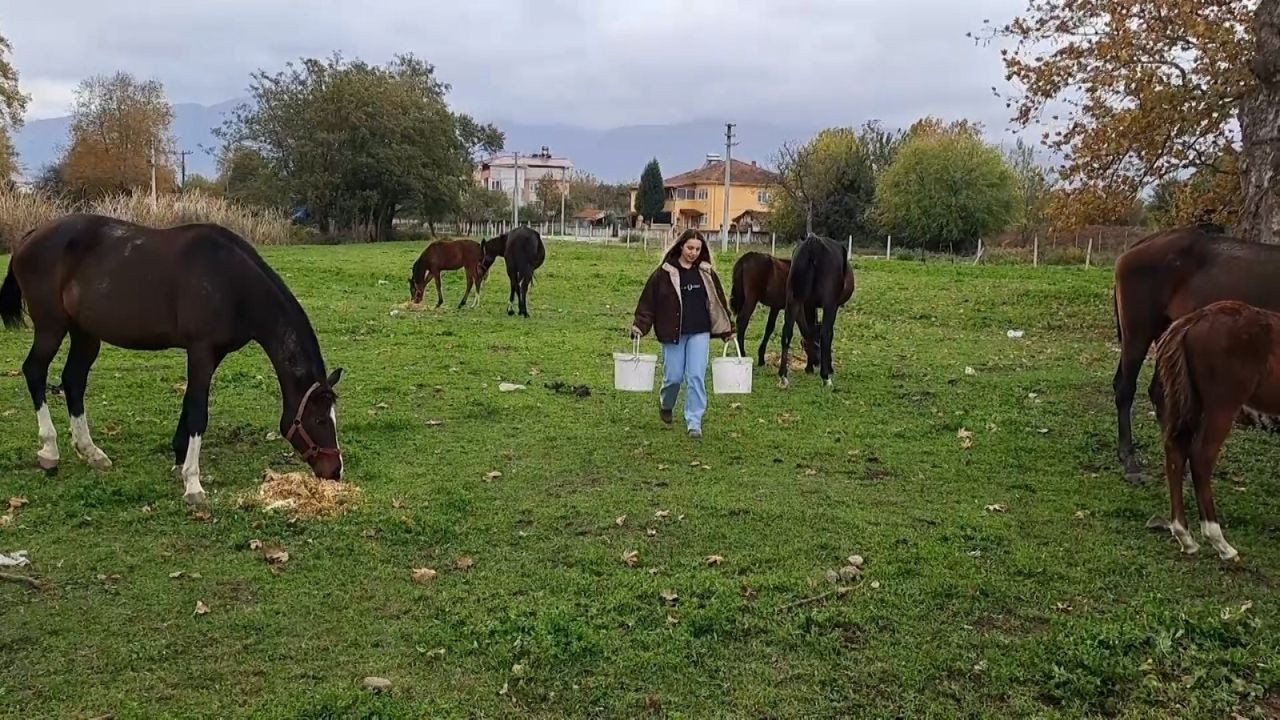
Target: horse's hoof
x: 510, y: 313
x: 47, y: 464
x: 784, y: 383
x: 827, y: 383
x: 100, y: 462
x: 1190, y: 549
x: 195, y: 499
x: 1231, y: 557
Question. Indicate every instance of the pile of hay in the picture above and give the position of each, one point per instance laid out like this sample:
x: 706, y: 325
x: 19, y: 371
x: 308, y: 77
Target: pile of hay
x: 303, y: 495
x: 795, y: 361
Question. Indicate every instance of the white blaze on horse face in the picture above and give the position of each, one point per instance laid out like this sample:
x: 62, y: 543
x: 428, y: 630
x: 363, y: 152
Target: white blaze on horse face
x: 83, y: 443
x: 1184, y: 538
x: 48, y: 436
x: 333, y: 415
x: 193, y: 492
x: 1213, y: 533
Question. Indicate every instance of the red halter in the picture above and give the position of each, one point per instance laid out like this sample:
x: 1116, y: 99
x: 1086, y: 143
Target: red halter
x: 312, y: 448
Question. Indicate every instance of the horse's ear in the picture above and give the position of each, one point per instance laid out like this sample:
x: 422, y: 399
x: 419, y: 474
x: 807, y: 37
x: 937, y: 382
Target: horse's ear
x: 334, y: 377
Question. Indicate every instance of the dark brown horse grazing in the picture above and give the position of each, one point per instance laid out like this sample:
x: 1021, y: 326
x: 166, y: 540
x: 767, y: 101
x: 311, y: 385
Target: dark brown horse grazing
x: 1167, y: 275
x: 447, y: 255
x: 761, y: 279
x: 820, y: 277
x: 524, y: 253
x: 197, y: 287
x: 1212, y: 363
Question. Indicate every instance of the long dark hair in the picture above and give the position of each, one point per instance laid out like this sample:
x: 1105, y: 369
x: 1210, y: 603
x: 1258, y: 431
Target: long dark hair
x: 673, y: 253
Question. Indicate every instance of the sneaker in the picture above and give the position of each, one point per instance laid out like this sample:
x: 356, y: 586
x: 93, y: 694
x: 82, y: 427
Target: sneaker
x: 665, y: 414
x: 695, y: 433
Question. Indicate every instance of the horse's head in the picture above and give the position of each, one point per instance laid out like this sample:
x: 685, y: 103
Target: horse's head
x: 312, y: 428
x: 417, y: 286
x: 493, y: 248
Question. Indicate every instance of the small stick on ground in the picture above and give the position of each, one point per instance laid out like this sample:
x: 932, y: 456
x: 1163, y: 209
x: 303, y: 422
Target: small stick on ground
x: 22, y: 579
x: 816, y: 598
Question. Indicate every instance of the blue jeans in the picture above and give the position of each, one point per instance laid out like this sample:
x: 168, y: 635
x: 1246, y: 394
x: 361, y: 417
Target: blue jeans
x: 686, y: 362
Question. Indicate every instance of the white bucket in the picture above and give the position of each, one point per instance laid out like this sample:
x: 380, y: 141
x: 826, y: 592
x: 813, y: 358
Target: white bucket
x: 634, y: 372
x: 731, y: 375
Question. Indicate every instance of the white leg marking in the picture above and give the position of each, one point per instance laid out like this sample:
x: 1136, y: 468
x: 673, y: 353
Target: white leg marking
x: 48, y: 453
x: 193, y: 494
x: 1184, y: 538
x: 83, y: 443
x: 1213, y: 533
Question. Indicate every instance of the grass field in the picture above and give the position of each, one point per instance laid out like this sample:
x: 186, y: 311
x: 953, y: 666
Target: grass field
x: 1062, y: 606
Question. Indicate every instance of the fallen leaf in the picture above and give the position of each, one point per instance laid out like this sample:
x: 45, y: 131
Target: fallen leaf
x: 1043, y: 431
x: 377, y: 684
x: 856, y: 561
x: 518, y: 670
x: 713, y: 560
x: 201, y: 608
x: 255, y: 544
x: 1062, y: 607
x: 370, y: 533
x: 975, y: 553
x: 970, y: 371
x: 672, y: 620
x: 493, y: 475
x: 663, y: 467
x: 875, y: 584
x: 998, y: 507
x: 6, y: 520
x: 17, y: 503
x: 272, y: 436
x: 434, y: 423
x: 382, y: 406
x: 651, y: 532
x: 849, y: 572
x: 422, y: 576
x: 695, y: 463
x: 437, y: 653
x: 661, y: 514
x: 180, y: 388
x: 620, y: 520
x: 464, y: 562
x: 1081, y: 514
x: 832, y: 576
x: 734, y: 406
x: 397, y: 503
x: 630, y: 558
x: 176, y: 575
x: 810, y: 472
x: 277, y: 557
x: 670, y: 596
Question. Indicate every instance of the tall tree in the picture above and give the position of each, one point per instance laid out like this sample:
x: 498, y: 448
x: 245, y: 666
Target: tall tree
x: 1034, y: 184
x: 356, y: 143
x: 652, y: 194
x: 12, y: 106
x: 1134, y: 93
x: 119, y: 125
x: 825, y: 185
x: 946, y: 191
x: 246, y: 176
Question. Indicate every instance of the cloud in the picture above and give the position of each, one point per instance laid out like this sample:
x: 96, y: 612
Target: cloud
x: 583, y: 63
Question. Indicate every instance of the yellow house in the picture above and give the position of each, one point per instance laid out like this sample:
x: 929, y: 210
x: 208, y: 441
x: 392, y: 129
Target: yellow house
x: 695, y: 199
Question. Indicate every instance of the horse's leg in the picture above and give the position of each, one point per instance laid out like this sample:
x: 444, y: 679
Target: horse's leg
x: 201, y: 362
x: 1204, y: 456
x: 1155, y: 391
x: 515, y: 287
x: 439, y: 292
x: 75, y: 380
x: 36, y: 370
x: 524, y: 294
x: 466, y: 292
x: 743, y: 318
x: 475, y: 303
x: 788, y: 327
x: 1175, y: 462
x: 1125, y: 386
x: 826, y: 342
x: 768, y: 331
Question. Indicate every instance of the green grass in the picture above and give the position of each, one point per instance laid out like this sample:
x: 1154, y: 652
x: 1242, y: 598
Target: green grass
x: 1032, y: 612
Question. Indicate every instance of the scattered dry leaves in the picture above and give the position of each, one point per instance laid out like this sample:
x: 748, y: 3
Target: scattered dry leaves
x: 464, y: 563
x: 201, y: 608
x: 422, y: 576
x: 630, y: 558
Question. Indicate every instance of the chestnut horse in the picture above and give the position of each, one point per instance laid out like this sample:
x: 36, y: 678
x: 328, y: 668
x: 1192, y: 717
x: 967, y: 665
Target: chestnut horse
x: 1212, y: 363
x: 1165, y: 276
x: 820, y: 277
x: 198, y: 287
x: 447, y: 255
x: 762, y: 279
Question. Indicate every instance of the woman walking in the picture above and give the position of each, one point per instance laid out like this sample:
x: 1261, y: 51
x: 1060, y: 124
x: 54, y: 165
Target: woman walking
x: 684, y: 304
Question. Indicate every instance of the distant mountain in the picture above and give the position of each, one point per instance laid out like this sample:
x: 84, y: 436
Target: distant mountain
x: 618, y: 155
x: 615, y: 155
x: 41, y: 142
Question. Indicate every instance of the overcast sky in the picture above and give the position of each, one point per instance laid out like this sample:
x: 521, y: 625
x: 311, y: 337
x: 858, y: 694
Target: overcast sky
x: 590, y: 63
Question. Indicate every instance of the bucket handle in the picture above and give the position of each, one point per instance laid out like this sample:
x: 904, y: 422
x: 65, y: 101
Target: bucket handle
x: 725, y: 352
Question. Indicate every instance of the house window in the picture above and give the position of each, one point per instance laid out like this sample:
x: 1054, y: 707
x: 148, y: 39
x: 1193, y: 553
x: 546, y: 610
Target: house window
x: 762, y: 197
x: 702, y: 193
x: 495, y: 184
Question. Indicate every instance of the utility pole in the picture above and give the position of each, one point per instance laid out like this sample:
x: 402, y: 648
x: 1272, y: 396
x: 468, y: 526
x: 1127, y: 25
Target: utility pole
x: 564, y: 192
x: 515, y: 191
x: 724, y: 222
x: 183, y: 155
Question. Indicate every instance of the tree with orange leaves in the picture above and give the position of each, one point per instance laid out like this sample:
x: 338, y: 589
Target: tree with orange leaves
x: 1137, y: 92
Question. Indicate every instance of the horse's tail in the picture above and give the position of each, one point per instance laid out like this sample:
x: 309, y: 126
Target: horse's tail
x: 1173, y: 367
x: 11, y: 300
x: 804, y: 269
